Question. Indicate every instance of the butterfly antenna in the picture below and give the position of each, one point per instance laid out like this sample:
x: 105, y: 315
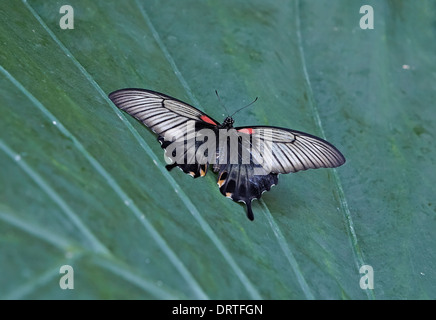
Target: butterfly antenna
x: 244, y: 107
x: 222, y: 104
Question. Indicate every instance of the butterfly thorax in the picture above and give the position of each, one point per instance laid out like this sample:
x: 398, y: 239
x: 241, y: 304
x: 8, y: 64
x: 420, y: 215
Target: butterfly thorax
x: 227, y: 123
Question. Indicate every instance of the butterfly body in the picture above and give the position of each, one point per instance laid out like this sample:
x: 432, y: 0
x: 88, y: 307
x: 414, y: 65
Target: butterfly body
x: 248, y: 160
x: 227, y: 123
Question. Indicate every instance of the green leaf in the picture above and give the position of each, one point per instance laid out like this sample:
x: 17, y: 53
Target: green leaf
x: 84, y: 184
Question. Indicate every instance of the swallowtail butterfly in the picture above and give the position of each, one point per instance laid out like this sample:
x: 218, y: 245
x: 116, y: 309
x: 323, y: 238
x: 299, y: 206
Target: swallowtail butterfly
x: 248, y: 159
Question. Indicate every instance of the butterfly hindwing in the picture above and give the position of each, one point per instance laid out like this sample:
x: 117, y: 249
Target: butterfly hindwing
x: 240, y: 183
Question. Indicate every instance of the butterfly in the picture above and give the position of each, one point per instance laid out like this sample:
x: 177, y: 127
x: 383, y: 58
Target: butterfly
x: 248, y: 160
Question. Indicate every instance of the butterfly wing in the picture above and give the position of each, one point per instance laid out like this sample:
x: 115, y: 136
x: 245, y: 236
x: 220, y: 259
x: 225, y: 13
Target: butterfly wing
x: 272, y: 151
x: 282, y: 150
x: 159, y: 112
x: 171, y: 119
x: 240, y: 183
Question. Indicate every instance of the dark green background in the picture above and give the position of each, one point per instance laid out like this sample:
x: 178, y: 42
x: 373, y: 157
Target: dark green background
x: 85, y: 185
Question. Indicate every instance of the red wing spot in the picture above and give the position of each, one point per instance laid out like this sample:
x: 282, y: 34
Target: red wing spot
x: 207, y: 119
x: 246, y: 130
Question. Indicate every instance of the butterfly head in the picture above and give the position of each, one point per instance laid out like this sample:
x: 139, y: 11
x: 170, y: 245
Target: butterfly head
x: 228, y: 122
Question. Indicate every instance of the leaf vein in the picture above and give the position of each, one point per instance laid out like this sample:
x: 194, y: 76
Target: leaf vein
x: 358, y: 254
x: 112, y: 183
x: 288, y: 253
x: 96, y: 244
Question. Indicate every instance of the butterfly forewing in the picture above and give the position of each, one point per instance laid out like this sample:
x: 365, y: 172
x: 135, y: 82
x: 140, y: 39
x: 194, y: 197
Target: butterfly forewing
x: 161, y: 113
x: 284, y: 150
x: 176, y: 123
